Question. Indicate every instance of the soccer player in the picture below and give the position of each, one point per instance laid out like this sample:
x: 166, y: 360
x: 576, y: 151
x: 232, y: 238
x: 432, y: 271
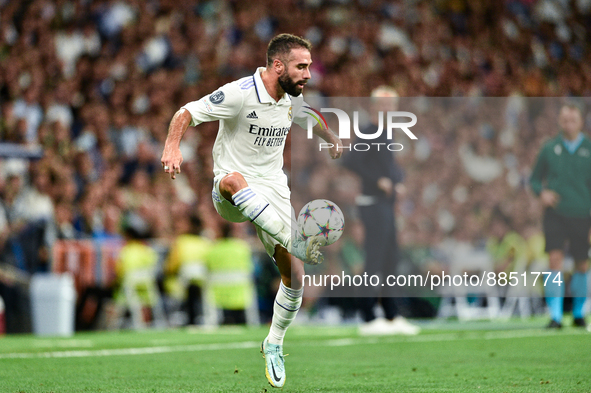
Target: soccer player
x: 562, y: 180
x: 255, y: 115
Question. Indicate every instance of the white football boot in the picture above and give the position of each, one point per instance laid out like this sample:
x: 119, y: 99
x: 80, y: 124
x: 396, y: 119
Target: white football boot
x: 308, y: 251
x: 275, y: 365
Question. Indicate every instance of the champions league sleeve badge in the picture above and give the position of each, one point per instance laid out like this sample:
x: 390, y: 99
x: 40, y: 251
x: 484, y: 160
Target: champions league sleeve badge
x: 217, y: 97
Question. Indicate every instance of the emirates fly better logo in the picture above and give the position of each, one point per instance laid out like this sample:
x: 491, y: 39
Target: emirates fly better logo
x: 392, y: 121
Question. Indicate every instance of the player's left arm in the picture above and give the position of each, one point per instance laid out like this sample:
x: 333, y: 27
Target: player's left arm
x: 331, y: 138
x: 301, y: 118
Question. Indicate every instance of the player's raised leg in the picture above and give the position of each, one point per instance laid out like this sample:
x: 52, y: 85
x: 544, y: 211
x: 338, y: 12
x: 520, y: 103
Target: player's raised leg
x: 234, y: 188
x: 286, y: 306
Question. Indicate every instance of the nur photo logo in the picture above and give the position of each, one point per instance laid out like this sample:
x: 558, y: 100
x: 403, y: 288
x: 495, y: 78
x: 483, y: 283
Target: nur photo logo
x: 392, y: 120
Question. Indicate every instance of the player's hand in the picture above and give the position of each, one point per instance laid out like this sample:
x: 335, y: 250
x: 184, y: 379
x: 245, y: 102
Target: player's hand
x: 337, y: 148
x: 172, y: 160
x: 549, y: 198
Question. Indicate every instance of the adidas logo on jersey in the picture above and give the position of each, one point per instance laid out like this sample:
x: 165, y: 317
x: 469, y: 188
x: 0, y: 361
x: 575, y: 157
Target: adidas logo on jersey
x: 252, y: 115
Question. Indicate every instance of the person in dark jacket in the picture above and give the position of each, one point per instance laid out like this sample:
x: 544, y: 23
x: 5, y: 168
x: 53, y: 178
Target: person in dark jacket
x: 562, y: 180
x: 381, y: 179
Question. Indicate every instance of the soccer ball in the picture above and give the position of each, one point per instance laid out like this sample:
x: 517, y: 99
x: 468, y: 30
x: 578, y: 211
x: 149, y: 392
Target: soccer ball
x: 321, y: 218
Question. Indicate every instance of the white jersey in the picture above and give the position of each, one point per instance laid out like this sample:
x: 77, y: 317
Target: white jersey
x: 253, y: 126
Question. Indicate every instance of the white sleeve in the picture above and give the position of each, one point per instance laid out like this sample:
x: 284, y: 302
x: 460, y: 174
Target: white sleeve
x: 298, y: 107
x: 224, y: 103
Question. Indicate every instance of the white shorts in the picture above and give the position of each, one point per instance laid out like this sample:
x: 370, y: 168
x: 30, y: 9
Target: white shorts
x: 273, y: 190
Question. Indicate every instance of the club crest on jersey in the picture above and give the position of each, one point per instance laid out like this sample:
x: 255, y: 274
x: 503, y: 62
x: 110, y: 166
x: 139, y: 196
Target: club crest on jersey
x: 217, y: 97
x: 289, y: 114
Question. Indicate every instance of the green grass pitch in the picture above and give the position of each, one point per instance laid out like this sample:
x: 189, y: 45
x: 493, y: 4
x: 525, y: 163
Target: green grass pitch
x: 452, y: 357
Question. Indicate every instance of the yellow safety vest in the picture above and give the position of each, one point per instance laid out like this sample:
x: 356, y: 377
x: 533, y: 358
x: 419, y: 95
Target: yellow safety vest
x: 230, y: 274
x: 186, y: 264
x: 136, y: 257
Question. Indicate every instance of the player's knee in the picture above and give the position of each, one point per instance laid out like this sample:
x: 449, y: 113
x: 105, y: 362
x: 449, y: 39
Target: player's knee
x: 231, y: 184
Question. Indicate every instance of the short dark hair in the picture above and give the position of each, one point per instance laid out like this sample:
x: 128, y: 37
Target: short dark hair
x: 282, y: 44
x: 574, y: 103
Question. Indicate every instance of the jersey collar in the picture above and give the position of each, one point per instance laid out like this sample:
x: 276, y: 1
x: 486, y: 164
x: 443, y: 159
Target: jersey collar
x: 262, y: 94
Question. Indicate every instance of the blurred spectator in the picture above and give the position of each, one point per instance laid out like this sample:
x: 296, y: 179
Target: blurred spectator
x: 561, y: 180
x: 136, y: 289
x: 30, y: 112
x: 506, y: 246
x: 186, y: 267
x: 88, y: 219
x: 230, y: 266
x: 64, y: 218
x: 111, y: 225
x: 381, y: 179
x: 30, y: 213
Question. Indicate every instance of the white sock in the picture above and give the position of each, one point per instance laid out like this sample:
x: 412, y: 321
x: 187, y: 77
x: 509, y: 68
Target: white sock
x: 285, y: 309
x: 262, y: 214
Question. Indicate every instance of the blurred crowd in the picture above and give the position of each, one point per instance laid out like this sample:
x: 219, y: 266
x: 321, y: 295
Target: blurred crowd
x: 95, y: 83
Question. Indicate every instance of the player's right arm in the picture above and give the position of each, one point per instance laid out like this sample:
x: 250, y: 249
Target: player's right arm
x: 172, y: 157
x: 224, y: 103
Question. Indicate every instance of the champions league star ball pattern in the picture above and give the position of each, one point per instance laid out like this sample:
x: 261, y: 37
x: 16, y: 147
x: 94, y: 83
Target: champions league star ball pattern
x: 322, y: 218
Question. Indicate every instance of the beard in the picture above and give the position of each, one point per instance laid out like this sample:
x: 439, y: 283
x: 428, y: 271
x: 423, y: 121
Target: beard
x: 289, y: 86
